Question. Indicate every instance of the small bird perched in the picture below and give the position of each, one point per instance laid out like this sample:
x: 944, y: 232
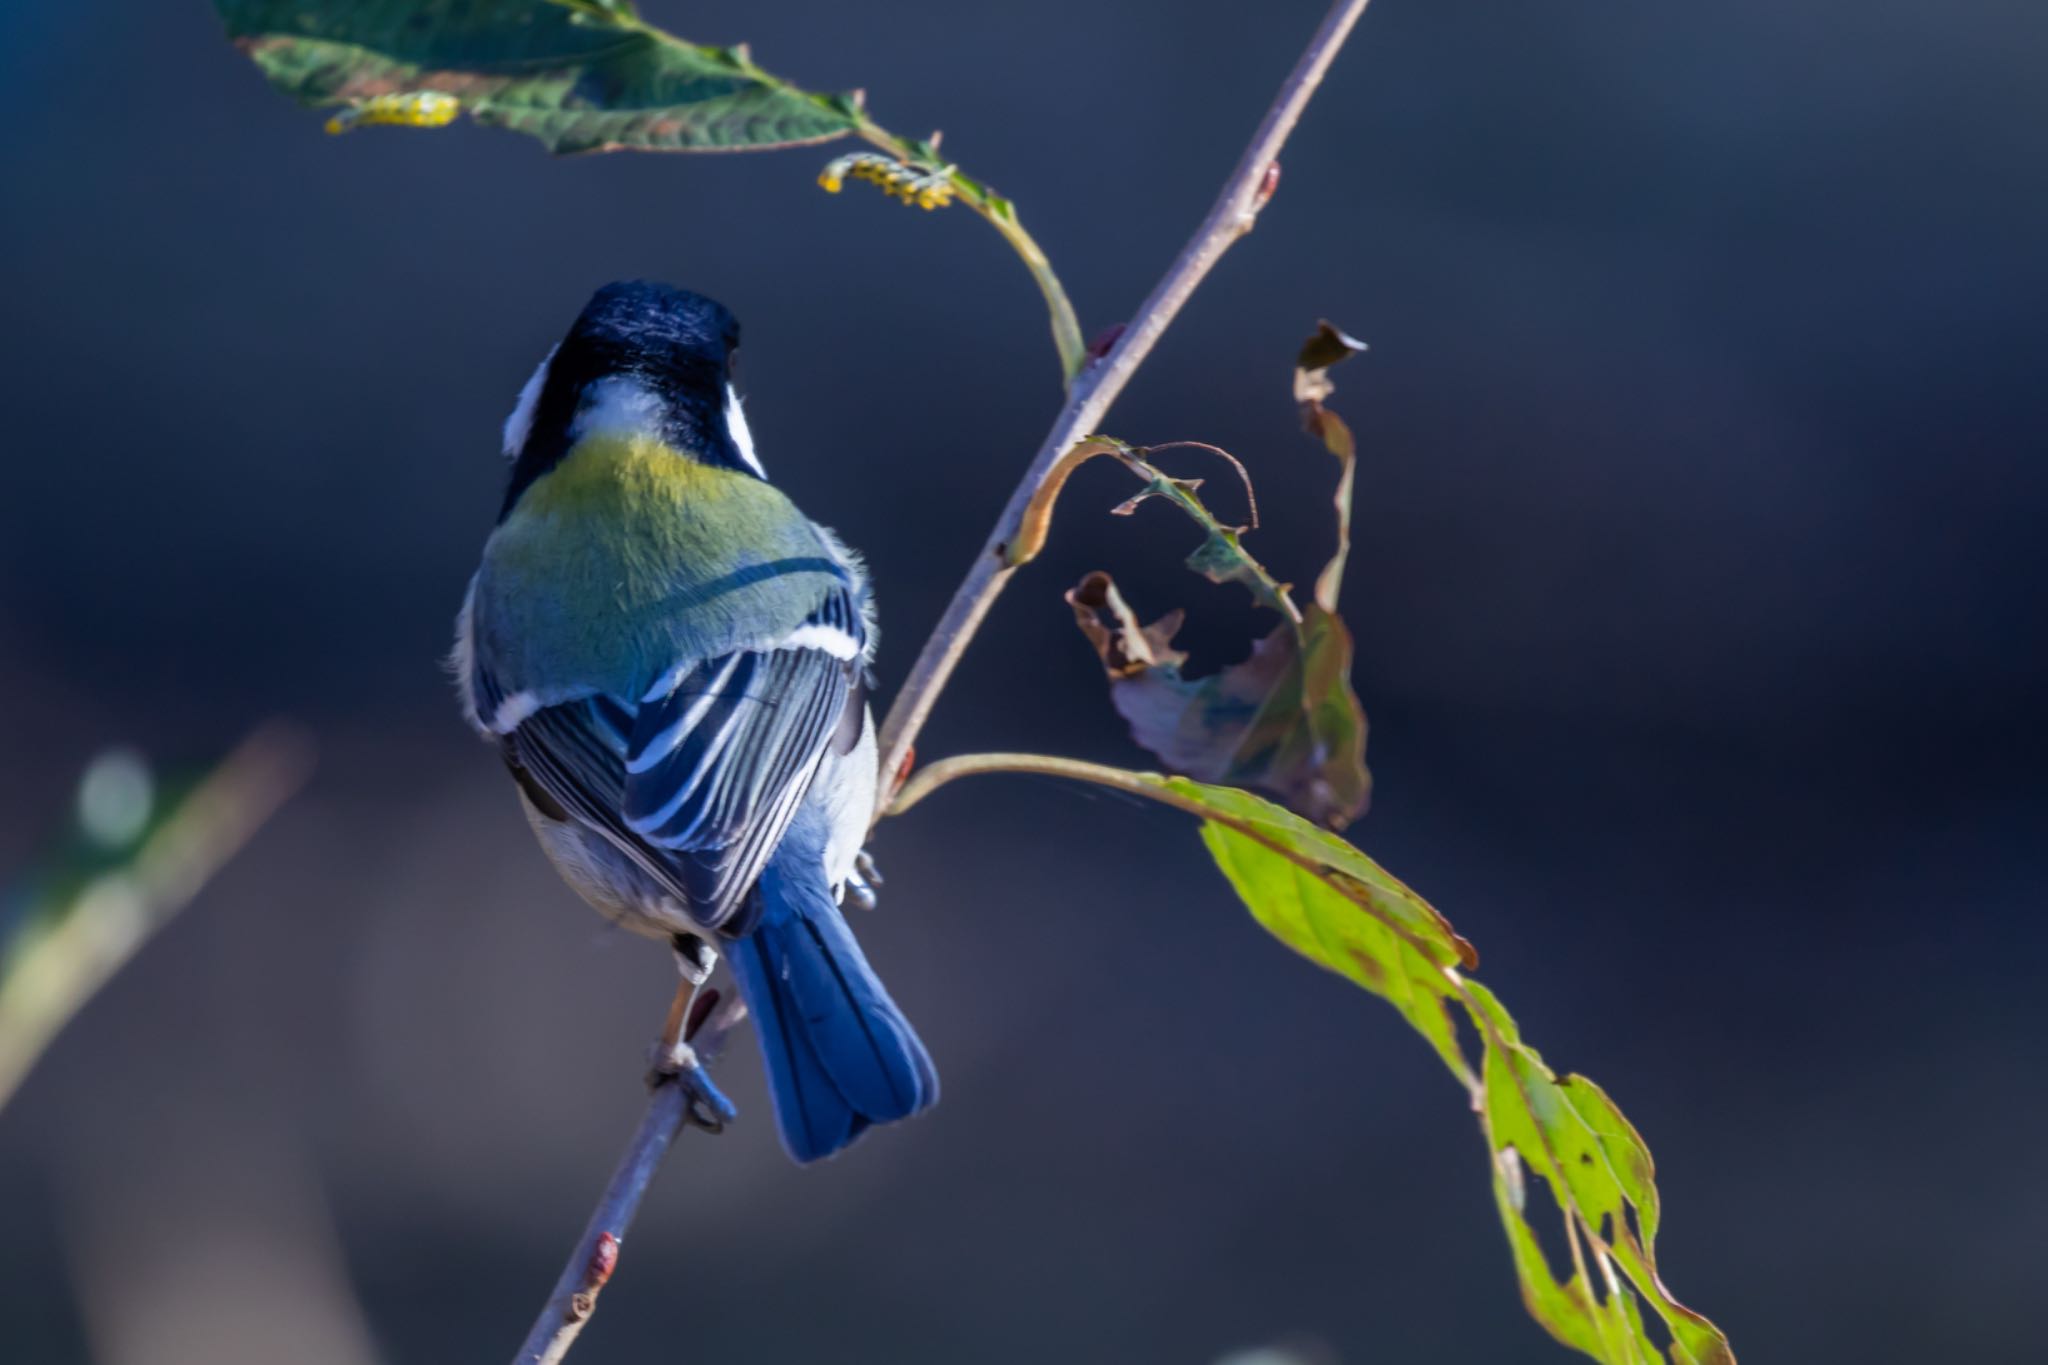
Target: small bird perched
x: 671, y: 659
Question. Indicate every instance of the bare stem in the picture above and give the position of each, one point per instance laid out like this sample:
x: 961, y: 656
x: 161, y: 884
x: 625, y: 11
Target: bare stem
x: 935, y: 775
x: 680, y: 1096
x: 1000, y: 213
x: 1066, y: 326
x: 1096, y: 387
x: 1002, y: 216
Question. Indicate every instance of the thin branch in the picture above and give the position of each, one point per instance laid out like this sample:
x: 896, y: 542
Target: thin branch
x: 90, y: 938
x: 686, y: 1094
x: 1249, y: 187
x: 680, y: 1095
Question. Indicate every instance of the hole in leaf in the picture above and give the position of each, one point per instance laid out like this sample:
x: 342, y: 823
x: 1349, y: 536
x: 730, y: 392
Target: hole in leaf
x: 1546, y: 1220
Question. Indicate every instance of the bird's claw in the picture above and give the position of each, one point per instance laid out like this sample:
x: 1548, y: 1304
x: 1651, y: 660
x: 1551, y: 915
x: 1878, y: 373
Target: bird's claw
x: 695, y: 958
x: 861, y: 882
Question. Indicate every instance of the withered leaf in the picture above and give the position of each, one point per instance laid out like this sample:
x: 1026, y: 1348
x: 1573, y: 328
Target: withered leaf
x: 1312, y: 386
x: 1284, y: 719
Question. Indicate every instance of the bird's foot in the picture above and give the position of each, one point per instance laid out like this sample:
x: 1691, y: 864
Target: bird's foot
x: 861, y: 882
x: 696, y: 959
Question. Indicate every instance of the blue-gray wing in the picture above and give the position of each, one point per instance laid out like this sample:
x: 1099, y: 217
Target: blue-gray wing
x: 698, y: 784
x: 715, y: 770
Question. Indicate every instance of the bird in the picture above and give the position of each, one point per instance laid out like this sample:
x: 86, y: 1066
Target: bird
x: 672, y: 661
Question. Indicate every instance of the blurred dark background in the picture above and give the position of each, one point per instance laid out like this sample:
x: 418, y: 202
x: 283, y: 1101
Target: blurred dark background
x: 1699, y: 593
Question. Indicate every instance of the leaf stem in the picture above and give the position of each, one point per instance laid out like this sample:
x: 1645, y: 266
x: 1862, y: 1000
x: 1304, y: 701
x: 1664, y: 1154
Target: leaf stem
x: 937, y: 774
x: 1000, y: 213
x: 1036, y: 521
x: 1089, y: 397
x: 1066, y: 326
x: 1002, y: 216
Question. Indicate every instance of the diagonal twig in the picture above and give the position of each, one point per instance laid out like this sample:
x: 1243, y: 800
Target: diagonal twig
x: 681, y: 1095
x: 1250, y: 185
x: 677, y: 1097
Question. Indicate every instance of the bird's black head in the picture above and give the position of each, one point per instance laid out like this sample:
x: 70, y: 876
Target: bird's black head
x: 642, y: 356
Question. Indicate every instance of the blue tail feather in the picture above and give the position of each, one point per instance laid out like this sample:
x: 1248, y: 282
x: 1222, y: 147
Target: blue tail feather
x: 840, y: 1055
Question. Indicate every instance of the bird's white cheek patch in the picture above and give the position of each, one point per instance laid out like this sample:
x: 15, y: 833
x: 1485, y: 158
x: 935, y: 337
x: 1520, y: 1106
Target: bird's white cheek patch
x: 519, y: 425
x: 742, y: 435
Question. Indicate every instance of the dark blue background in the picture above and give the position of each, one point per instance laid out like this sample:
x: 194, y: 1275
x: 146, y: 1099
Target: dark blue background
x: 1699, y: 595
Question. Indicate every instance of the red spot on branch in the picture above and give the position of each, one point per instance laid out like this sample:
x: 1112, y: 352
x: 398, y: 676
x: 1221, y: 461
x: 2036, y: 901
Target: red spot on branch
x: 604, y: 1259
x: 1269, y: 181
x: 1104, y: 340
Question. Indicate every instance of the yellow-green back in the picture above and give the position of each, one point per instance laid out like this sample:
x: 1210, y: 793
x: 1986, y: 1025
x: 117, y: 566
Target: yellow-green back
x: 628, y: 558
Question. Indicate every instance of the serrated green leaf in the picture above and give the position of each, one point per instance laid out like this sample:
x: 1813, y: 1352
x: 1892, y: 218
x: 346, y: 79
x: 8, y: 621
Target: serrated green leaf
x: 1571, y: 1133
x: 578, y: 77
x: 1326, y: 900
x: 1323, y: 897
x: 607, y: 10
x: 1309, y: 914
x: 1564, y: 1308
x: 1289, y: 841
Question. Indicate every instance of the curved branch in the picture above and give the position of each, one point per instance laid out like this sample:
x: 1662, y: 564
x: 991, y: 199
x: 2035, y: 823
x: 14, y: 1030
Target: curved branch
x: 676, y: 1097
x: 1246, y: 191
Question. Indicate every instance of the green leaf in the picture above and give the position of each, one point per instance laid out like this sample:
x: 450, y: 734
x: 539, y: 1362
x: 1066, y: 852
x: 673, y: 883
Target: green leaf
x: 1307, y: 912
x: 581, y: 76
x: 1328, y: 901
x: 1566, y: 1309
x: 1573, y: 1135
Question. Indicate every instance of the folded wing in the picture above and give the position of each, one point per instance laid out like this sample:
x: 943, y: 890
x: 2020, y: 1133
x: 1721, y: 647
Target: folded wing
x: 698, y: 780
